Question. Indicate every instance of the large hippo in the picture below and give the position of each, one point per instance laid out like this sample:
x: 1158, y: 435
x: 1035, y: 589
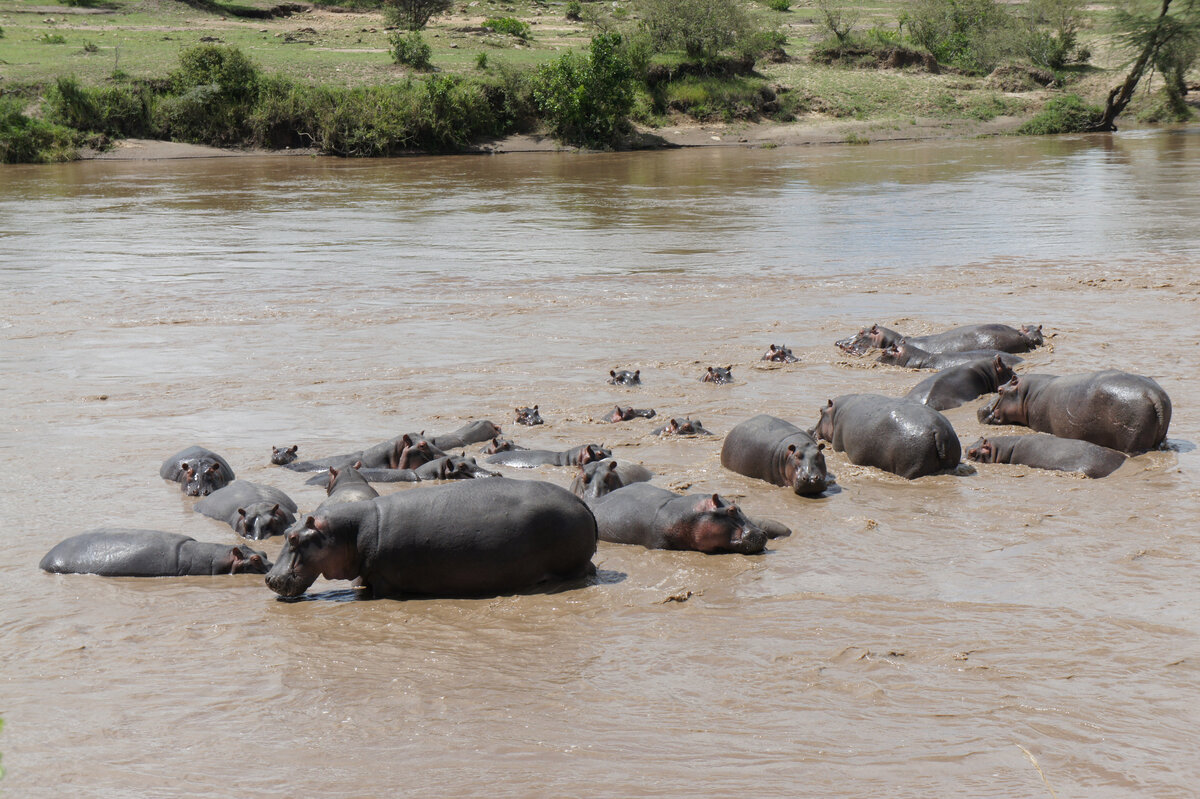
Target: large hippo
x: 659, y: 519
x: 897, y: 435
x: 620, y: 414
x: 598, y: 478
x: 952, y: 387
x: 198, y: 471
x: 1114, y: 409
x: 252, y: 510
x: 624, y: 377
x: 779, y: 354
x: 960, y: 339
x: 681, y: 427
x: 529, y: 458
x: 907, y: 354
x: 479, y: 537
x: 405, y: 451
x: 113, y: 552
x: 447, y: 467
x: 1044, y: 451
x: 768, y: 448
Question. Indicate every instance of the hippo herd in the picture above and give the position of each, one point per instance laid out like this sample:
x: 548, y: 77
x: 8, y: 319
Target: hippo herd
x: 466, y: 536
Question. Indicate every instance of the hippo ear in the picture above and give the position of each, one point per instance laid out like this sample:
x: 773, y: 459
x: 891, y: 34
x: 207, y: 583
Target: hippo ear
x: 637, y: 372
x: 791, y: 449
x: 518, y: 410
x: 237, y: 553
x: 828, y: 403
x: 275, y: 510
x: 294, y: 448
x: 729, y: 368
x: 311, y: 523
x: 242, y: 512
x: 407, y: 440
x: 535, y: 407
x: 358, y: 464
x: 874, y: 328
x: 820, y: 446
x: 612, y: 466
x: 216, y: 467
x: 612, y: 372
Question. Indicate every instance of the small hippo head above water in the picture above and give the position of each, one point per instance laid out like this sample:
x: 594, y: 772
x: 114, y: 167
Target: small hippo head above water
x: 1034, y: 334
x: 597, y: 482
x: 1006, y: 407
x: 262, y: 520
x: 411, y: 453
x: 720, y: 526
x: 282, y: 456
x: 873, y: 337
x: 620, y: 414
x: 499, y: 444
x: 624, y: 377
x: 779, y: 354
x: 201, y: 479
x: 529, y: 416
x: 718, y: 374
x: 981, y: 451
x: 682, y: 427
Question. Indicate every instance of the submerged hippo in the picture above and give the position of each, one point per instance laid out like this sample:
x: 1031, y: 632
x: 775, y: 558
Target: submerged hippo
x: 659, y: 519
x: 719, y: 375
x: 952, y: 387
x: 198, y: 471
x: 620, y: 414
x: 1119, y: 410
x: 282, y: 456
x: 779, y: 354
x: 960, y: 339
x: 897, y: 435
x: 906, y: 354
x: 624, y: 377
x: 447, y: 467
x: 598, y: 478
x: 474, y: 538
x: 681, y: 427
x: 1044, y: 451
x: 252, y: 510
x: 529, y: 416
x: 406, y: 451
x: 113, y: 552
x: 529, y: 458
x: 500, y: 444
x: 768, y: 448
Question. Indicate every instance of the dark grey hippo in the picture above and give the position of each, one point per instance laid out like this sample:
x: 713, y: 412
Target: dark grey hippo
x: 529, y: 458
x: 779, y: 354
x: 598, y: 478
x: 472, y: 538
x: 1044, y: 451
x: 681, y: 427
x: 529, y: 416
x: 897, y: 435
x: 406, y: 451
x: 113, y: 552
x: 252, y: 510
x: 719, y: 375
x: 768, y: 448
x: 282, y: 456
x: 908, y: 355
x: 620, y: 414
x: 470, y: 433
x: 1114, y: 409
x: 198, y: 471
x: 346, y: 485
x: 659, y: 519
x: 447, y: 467
x: 500, y: 444
x: 952, y: 387
x: 960, y: 339
x: 624, y: 377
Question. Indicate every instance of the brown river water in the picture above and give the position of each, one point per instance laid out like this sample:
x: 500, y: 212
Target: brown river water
x: 1001, y: 632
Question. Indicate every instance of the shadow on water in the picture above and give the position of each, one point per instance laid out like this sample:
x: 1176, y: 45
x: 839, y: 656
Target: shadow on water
x: 601, y: 577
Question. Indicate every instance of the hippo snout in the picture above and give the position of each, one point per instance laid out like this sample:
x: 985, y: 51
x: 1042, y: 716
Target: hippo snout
x: 749, y: 541
x: 808, y: 484
x: 986, y: 410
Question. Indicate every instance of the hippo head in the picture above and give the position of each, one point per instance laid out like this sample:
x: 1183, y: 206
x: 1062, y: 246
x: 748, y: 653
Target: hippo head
x: 243, y: 560
x: 620, y: 414
x: 804, y: 469
x: 499, y: 444
x: 262, y: 520
x: 897, y: 354
x: 824, y: 428
x: 779, y: 354
x: 598, y: 482
x: 872, y: 337
x: 717, y: 526
x: 1033, y: 334
x: 718, y: 374
x: 1007, y: 407
x: 624, y: 377
x: 201, y: 478
x: 282, y: 456
x: 982, y: 451
x: 592, y: 452
x: 1002, y: 371
x: 335, y: 474
x: 529, y: 416
x: 410, y: 453
x: 325, y: 545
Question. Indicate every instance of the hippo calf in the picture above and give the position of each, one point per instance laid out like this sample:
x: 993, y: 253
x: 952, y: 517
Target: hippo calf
x: 768, y: 448
x: 779, y: 354
x: 952, y: 387
x: 602, y: 477
x: 198, y: 471
x: 1114, y: 409
x: 282, y: 456
x: 447, y: 467
x: 529, y: 416
x: 624, y: 377
x: 908, y: 355
x: 681, y: 427
x: 1044, y: 451
x: 500, y: 444
x: 529, y: 458
x: 113, y: 552
x: 897, y: 435
x: 620, y: 414
x: 252, y: 510
x: 659, y: 519
x: 473, y: 538
x: 961, y: 339
x: 719, y: 375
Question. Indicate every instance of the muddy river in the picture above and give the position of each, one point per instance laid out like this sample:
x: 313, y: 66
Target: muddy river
x: 1000, y: 632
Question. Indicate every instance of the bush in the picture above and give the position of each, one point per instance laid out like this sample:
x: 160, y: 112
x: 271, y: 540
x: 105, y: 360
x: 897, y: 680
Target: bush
x: 509, y: 25
x: 411, y: 49
x: 111, y: 110
x: 413, y: 15
x: 51, y: 38
x: 710, y: 98
x: 1068, y: 114
x: 1052, y: 35
x: 574, y: 10
x: 837, y: 20
x: 585, y: 99
x: 779, y: 5
x: 227, y: 68
x: 700, y: 28
x: 972, y: 35
x: 481, y: 61
x: 25, y: 140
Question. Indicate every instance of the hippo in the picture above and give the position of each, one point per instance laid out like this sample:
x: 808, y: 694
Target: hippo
x: 913, y: 357
x: 529, y: 458
x: 404, y: 451
x: 685, y: 427
x: 473, y: 538
x: 620, y: 414
x: 768, y: 448
x: 1044, y: 451
x: 529, y: 416
x: 282, y: 456
x: 952, y: 387
x: 598, y: 478
x: 1114, y: 409
x: 447, y: 467
x: 252, y: 510
x: 198, y: 471
x: 345, y: 485
x: 901, y: 436
x: 960, y: 339
x: 470, y: 433
x: 624, y: 377
x: 119, y: 552
x: 779, y: 354
x: 720, y: 375
x: 659, y: 519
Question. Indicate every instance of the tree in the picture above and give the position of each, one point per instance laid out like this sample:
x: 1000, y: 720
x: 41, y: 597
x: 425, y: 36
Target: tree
x: 701, y: 28
x: 414, y: 14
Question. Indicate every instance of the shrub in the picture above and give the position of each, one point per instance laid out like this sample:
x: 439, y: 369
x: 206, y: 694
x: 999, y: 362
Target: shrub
x: 1068, y: 114
x: 481, y: 61
x: 51, y: 38
x: 25, y: 140
x: 413, y: 15
x: 585, y: 99
x: 725, y: 98
x: 509, y: 25
x: 700, y: 28
x: 837, y: 20
x: 227, y: 68
x: 973, y: 35
x: 574, y: 10
x: 779, y: 5
x: 411, y: 49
